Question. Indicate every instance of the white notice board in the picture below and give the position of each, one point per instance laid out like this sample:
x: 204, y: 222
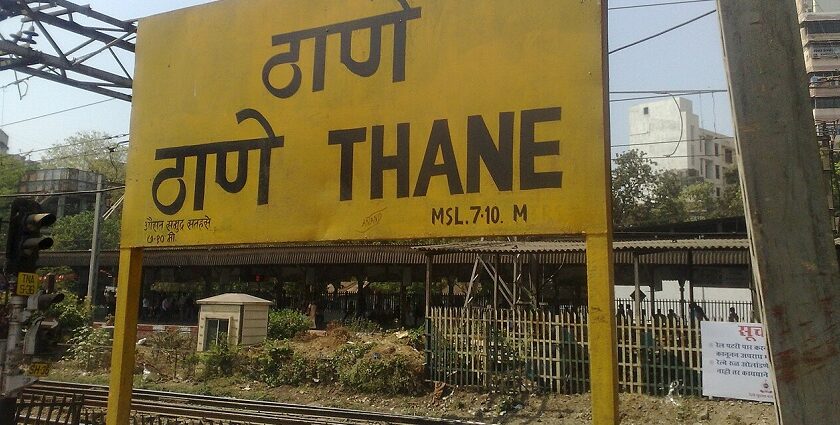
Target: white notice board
x: 735, y: 361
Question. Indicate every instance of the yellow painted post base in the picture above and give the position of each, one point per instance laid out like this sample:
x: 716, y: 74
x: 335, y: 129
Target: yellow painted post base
x: 125, y: 336
x: 603, y: 353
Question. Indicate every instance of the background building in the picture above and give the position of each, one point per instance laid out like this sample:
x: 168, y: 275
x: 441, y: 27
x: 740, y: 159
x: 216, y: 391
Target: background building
x: 820, y: 29
x: 4, y: 142
x: 61, y: 180
x: 669, y: 133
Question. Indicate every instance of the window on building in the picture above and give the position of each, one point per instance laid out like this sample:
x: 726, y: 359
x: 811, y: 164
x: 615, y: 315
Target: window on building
x: 645, y: 110
x: 822, y: 27
x: 727, y: 154
x: 717, y: 172
x: 717, y: 152
x: 215, y: 330
x: 826, y: 102
x: 717, y: 192
x: 824, y: 79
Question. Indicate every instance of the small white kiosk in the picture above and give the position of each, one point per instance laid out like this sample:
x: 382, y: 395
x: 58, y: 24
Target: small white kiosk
x: 242, y: 317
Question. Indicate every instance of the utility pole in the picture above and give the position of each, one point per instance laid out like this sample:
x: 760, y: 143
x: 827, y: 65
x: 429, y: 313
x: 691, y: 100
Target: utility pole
x: 794, y: 259
x: 93, y: 270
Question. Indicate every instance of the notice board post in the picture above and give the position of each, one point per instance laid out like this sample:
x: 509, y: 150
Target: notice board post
x: 794, y: 257
x: 376, y: 120
x: 125, y: 336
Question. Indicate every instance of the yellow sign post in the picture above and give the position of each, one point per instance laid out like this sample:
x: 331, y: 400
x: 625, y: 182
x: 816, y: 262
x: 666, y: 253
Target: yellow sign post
x: 384, y: 119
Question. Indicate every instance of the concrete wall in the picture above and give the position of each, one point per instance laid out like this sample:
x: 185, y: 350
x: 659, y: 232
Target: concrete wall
x: 254, y: 324
x: 217, y: 311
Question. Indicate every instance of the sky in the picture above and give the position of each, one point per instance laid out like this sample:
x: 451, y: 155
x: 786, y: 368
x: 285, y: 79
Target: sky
x: 689, y: 58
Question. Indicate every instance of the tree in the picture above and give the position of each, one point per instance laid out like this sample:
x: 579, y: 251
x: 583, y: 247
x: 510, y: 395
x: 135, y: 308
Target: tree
x: 12, y: 168
x: 642, y: 195
x: 731, y: 201
x: 75, y: 232
x: 668, y: 207
x: 699, y: 201
x: 90, y: 151
x: 633, y: 185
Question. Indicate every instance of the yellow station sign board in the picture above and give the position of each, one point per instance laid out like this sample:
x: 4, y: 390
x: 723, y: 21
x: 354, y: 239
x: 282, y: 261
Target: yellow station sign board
x: 310, y: 120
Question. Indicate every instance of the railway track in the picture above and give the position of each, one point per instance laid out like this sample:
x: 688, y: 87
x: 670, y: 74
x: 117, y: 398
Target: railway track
x: 194, y: 408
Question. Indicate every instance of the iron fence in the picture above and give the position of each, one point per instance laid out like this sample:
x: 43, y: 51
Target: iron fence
x: 49, y: 409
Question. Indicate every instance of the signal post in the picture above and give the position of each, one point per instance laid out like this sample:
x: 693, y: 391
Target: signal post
x: 27, y: 303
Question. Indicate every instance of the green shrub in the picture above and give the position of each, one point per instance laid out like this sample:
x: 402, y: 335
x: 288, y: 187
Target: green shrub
x: 277, y: 363
x: 71, y: 313
x: 90, y: 349
x: 170, y: 353
x: 417, y: 338
x: 362, y: 325
x: 327, y: 370
x: 221, y: 359
x: 348, y: 354
x: 285, y: 324
x: 385, y: 375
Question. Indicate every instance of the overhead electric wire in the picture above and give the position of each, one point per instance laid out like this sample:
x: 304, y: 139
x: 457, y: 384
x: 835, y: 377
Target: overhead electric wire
x: 677, y: 156
x: 74, y: 192
x: 662, y: 142
x: 701, y: 91
x: 56, y: 112
x: 16, y: 82
x: 110, y: 149
x: 67, y: 145
x: 670, y: 3
x: 658, y: 96
x: 662, y: 32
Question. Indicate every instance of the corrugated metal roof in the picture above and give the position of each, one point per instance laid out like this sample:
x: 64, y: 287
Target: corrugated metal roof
x: 234, y: 299
x: 659, y: 251
x: 506, y: 247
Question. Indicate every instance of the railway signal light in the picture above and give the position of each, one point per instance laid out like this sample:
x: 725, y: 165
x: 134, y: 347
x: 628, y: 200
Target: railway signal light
x: 24, y: 238
x: 40, y: 335
x: 28, y: 334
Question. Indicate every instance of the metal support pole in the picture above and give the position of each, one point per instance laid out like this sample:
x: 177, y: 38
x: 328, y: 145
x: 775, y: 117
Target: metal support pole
x: 428, y: 287
x: 496, y: 282
x: 125, y: 336
x: 514, y: 281
x: 603, y: 353
x: 93, y: 270
x: 406, y: 280
x: 13, y: 356
x: 637, y: 299
x: 652, y: 293
x: 690, y: 277
x: 427, y: 320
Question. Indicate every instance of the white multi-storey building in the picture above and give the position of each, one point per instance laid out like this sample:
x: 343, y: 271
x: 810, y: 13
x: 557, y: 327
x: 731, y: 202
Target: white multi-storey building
x: 669, y: 133
x: 820, y: 30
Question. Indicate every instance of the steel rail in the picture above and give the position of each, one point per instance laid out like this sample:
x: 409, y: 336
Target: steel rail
x: 230, y: 408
